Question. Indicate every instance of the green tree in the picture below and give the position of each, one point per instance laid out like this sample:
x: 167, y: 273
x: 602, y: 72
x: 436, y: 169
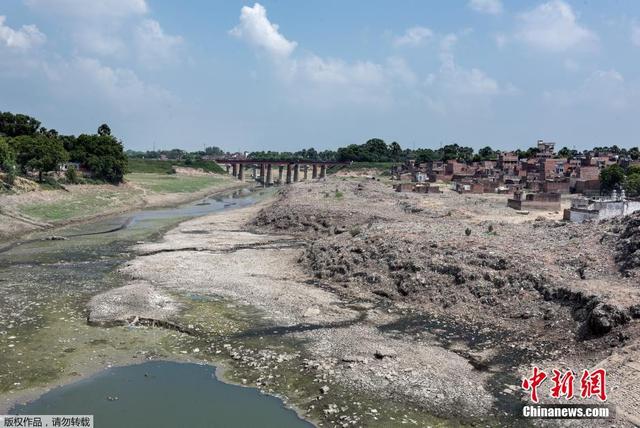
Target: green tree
x: 104, y: 130
x: 633, y: 169
x: 71, y: 174
x: 40, y: 153
x: 487, y: 153
x: 14, y: 125
x: 395, y: 151
x: 103, y: 155
x: 6, y: 153
x: 611, y: 177
x: 567, y: 153
x: 632, y: 184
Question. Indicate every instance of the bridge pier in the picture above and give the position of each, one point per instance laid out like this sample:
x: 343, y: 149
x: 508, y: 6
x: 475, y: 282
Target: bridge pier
x: 314, y: 171
x: 269, y: 182
x: 235, y: 169
x: 288, y: 173
x: 262, y: 178
x: 280, y: 171
x: 323, y: 171
x: 296, y: 172
x: 228, y: 167
x: 306, y: 171
x: 241, y: 172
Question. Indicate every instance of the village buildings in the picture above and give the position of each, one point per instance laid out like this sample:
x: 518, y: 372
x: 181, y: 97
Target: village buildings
x: 535, y: 182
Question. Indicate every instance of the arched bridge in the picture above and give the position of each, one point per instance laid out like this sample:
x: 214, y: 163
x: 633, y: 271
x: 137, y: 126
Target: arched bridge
x: 263, y: 171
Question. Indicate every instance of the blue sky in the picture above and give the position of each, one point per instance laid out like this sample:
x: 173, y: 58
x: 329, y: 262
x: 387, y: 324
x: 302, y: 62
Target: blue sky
x: 284, y: 75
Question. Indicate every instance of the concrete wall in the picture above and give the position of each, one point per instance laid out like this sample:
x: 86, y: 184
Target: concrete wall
x: 602, y: 210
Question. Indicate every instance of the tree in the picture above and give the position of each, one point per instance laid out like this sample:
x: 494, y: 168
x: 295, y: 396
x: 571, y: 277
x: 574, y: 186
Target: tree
x: 14, y: 125
x: 213, y: 151
x: 6, y: 153
x: 633, y: 169
x: 567, y: 153
x: 40, y: 153
x: 71, y: 174
x: 611, y: 177
x: 104, y: 130
x: 632, y: 185
x: 103, y: 155
x: 487, y: 153
x: 395, y: 151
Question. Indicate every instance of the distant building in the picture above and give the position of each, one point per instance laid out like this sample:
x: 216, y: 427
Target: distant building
x: 585, y: 209
x: 535, y: 201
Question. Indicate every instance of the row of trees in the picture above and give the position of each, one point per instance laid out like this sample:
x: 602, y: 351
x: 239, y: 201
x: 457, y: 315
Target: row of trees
x: 376, y: 150
x: 25, y: 146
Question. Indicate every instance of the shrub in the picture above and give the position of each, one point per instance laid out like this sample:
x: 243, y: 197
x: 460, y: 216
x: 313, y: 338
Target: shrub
x: 467, y: 231
x: 71, y: 174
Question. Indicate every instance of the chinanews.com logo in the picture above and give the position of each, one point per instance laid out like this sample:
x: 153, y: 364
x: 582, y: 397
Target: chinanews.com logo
x: 591, y: 384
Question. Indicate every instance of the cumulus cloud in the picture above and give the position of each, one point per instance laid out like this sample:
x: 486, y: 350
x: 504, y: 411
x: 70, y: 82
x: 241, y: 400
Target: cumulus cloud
x: 413, y: 36
x: 121, y: 88
x: 154, y: 45
x: 26, y: 37
x: 92, y: 8
x: 454, y: 88
x: 603, y: 89
x: 492, y: 7
x: 315, y: 78
x: 256, y: 29
x: 554, y: 27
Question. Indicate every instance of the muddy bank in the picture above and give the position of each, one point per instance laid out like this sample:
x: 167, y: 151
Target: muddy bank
x: 126, y: 198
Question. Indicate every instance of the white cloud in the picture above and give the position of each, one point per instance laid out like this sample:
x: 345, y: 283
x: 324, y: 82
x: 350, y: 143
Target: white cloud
x: 501, y: 40
x: 554, y: 27
x: 413, y: 36
x: 318, y: 80
x: 99, y: 41
x: 119, y: 87
x: 453, y: 88
x: 492, y: 7
x: 153, y: 45
x: 603, y: 89
x: 256, y: 29
x: 24, y: 38
x: 90, y: 8
x: 635, y: 34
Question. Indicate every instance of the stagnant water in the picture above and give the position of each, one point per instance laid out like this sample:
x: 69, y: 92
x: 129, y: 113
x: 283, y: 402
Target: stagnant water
x: 163, y: 394
x: 44, y: 338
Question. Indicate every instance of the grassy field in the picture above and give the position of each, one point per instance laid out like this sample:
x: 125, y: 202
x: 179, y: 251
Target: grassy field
x: 165, y: 183
x: 78, y: 205
x: 166, y: 166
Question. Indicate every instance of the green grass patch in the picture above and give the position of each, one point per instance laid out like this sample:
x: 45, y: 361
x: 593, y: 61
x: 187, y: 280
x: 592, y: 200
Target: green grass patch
x: 78, y: 205
x: 163, y: 183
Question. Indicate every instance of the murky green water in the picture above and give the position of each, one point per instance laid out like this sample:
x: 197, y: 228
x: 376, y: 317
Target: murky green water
x: 164, y: 394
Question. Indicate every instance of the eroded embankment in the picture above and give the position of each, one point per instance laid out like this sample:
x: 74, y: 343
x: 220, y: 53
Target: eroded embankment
x: 341, y: 365
x: 540, y: 292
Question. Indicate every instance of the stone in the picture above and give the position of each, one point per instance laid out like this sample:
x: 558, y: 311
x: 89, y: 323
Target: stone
x: 384, y: 352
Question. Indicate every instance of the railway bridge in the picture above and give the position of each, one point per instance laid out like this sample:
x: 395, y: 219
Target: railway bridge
x: 264, y: 171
